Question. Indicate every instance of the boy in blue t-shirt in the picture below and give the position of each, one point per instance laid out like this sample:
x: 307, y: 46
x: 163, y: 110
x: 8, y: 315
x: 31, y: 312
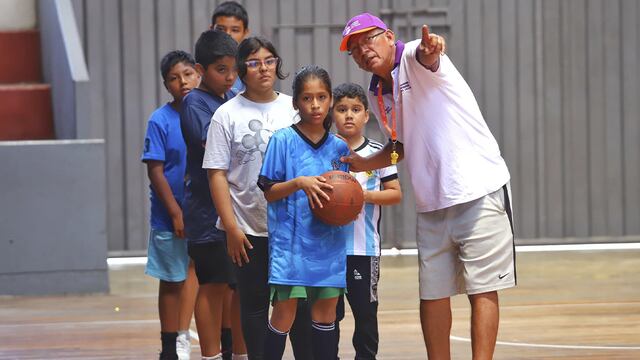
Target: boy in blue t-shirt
x: 381, y: 187
x: 165, y: 155
x: 215, y: 53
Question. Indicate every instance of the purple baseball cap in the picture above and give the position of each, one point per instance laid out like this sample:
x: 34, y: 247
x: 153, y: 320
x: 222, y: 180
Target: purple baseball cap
x: 358, y: 24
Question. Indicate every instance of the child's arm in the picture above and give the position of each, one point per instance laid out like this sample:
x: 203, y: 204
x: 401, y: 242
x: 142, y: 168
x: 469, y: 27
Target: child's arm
x: 390, y: 195
x: 311, y: 185
x: 155, y: 171
x: 237, y: 241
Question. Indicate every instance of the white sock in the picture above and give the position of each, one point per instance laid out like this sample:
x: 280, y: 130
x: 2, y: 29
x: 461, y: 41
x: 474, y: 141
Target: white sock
x: 217, y: 357
x: 239, y: 357
x: 185, y: 333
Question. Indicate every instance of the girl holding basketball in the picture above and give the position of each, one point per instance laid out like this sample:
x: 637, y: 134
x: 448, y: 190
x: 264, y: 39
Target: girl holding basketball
x: 236, y: 142
x: 307, y: 257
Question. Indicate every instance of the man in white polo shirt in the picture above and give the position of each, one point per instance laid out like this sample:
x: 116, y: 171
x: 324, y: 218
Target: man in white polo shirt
x: 460, y: 180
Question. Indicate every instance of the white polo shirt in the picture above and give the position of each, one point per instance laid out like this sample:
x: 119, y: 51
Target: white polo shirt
x: 449, y: 151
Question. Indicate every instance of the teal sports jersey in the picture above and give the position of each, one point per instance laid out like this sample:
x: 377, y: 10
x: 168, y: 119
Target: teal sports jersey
x: 366, y: 236
x: 302, y: 249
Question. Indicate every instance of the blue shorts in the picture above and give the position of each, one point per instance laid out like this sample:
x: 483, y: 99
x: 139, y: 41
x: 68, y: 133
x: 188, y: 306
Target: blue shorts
x: 167, y: 257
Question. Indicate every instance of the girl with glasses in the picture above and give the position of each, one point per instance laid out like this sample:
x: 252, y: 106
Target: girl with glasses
x: 236, y: 143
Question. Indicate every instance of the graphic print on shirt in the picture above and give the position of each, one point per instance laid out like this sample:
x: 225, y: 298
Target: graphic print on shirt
x: 336, y: 164
x: 254, y: 143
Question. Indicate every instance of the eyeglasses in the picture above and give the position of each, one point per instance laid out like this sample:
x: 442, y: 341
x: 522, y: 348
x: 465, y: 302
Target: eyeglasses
x: 367, y: 41
x: 268, y: 62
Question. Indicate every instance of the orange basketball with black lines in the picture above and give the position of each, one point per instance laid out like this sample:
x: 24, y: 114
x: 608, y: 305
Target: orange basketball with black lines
x: 346, y: 199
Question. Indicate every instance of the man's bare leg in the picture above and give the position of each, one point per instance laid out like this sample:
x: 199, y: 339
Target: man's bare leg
x: 485, y: 317
x: 435, y: 318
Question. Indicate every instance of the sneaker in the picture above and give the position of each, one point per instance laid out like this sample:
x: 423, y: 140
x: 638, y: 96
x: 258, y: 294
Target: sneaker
x: 183, y: 347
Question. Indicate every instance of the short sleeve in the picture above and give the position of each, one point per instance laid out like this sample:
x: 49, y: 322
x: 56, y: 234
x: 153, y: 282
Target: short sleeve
x: 274, y: 165
x: 412, y: 58
x: 194, y: 120
x: 388, y: 173
x: 155, y: 141
x: 217, y: 153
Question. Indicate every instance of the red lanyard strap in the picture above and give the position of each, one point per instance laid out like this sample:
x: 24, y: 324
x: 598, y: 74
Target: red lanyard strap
x: 385, y: 121
x: 383, y: 114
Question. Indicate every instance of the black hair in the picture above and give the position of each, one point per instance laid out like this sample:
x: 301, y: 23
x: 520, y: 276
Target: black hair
x: 231, y: 9
x: 351, y: 91
x: 307, y: 73
x: 213, y: 45
x: 249, y: 46
x: 172, y: 58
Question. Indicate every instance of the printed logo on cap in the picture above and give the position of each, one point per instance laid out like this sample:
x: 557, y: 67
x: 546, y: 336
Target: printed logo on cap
x: 350, y: 27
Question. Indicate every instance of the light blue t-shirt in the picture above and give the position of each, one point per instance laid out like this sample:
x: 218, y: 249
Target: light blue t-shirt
x: 302, y: 249
x: 238, y: 86
x: 163, y: 142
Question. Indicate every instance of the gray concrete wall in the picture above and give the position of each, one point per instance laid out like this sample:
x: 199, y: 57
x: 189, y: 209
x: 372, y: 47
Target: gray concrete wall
x: 64, y: 67
x: 53, y: 235
x: 17, y: 15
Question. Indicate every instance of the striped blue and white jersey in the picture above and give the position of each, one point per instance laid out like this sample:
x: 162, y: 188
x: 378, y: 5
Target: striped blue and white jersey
x: 366, y: 235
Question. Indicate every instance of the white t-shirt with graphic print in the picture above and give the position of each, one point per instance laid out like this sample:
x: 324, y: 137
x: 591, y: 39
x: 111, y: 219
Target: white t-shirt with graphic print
x: 237, y: 139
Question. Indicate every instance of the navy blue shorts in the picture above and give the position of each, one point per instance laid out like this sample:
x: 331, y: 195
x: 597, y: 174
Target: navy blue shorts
x: 213, y: 264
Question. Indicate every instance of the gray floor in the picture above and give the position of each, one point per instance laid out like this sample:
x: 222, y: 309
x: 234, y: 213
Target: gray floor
x: 568, y: 305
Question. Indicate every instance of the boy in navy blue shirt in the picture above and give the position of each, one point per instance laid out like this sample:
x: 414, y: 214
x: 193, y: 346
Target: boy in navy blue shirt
x: 165, y: 156
x: 232, y: 18
x: 215, y: 61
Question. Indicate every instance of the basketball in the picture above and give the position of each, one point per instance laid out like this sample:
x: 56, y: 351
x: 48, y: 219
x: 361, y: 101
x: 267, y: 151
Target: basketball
x: 346, y: 199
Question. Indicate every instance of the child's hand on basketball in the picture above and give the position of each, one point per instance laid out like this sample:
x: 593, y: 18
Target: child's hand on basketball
x: 313, y: 186
x: 237, y: 245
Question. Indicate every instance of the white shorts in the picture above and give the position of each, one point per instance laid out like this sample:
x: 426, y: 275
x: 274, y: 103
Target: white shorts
x: 467, y: 248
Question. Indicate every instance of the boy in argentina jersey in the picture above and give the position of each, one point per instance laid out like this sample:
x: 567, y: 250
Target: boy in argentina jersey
x: 366, y: 237
x: 303, y: 250
x: 381, y: 187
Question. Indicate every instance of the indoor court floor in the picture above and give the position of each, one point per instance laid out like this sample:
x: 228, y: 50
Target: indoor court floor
x: 568, y: 304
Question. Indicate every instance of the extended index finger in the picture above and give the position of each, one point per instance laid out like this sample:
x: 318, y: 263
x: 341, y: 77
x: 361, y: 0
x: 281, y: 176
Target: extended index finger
x: 425, y: 35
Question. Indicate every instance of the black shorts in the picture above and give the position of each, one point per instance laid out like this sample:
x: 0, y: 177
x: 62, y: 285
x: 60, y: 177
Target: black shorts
x: 212, y: 263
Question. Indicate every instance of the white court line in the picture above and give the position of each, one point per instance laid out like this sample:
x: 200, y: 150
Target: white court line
x: 578, y: 247
x: 138, y: 260
x: 79, y: 323
x: 539, y: 248
x: 551, y: 346
x: 504, y: 307
x: 142, y: 260
x: 194, y: 334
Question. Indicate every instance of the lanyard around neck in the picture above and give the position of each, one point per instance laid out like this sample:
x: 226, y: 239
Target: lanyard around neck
x: 385, y: 122
x: 383, y: 114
